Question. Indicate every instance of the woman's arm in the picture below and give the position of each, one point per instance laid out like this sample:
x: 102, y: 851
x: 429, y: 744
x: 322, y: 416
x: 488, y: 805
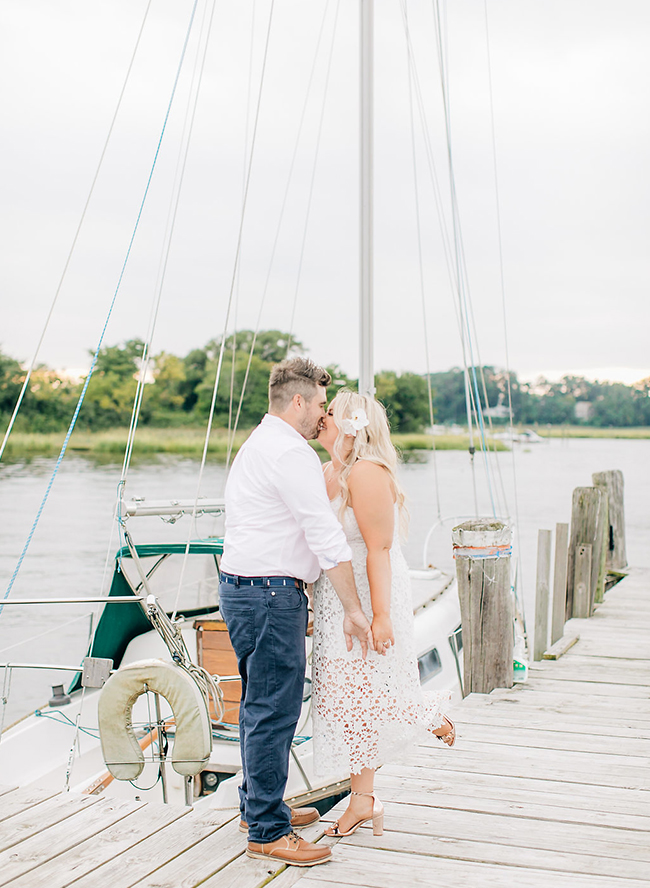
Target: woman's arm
x: 373, y: 499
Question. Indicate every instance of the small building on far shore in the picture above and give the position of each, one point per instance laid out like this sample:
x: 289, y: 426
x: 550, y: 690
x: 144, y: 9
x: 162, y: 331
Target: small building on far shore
x: 583, y: 411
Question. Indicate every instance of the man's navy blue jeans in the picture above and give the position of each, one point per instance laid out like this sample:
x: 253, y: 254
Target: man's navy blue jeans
x: 267, y: 626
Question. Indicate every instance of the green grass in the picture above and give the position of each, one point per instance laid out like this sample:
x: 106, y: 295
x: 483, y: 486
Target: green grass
x: 186, y: 441
x: 589, y: 432
x: 190, y: 441
x: 417, y: 441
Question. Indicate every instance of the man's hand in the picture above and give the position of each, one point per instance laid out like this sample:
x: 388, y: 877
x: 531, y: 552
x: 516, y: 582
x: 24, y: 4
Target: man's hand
x: 356, y: 624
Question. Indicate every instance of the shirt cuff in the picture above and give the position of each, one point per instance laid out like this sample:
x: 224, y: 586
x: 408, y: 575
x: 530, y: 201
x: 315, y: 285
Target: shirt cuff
x: 327, y: 562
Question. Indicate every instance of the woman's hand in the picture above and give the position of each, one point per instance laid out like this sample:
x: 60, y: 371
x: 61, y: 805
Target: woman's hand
x: 382, y: 633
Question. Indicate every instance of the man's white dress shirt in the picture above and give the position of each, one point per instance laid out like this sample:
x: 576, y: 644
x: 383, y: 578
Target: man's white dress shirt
x: 279, y: 521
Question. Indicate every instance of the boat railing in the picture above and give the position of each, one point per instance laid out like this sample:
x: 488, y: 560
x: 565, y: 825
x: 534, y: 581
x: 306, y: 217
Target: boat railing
x: 100, y: 599
x: 172, y: 510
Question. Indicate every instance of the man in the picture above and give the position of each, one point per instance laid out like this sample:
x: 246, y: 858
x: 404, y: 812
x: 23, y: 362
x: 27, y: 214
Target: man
x: 280, y: 532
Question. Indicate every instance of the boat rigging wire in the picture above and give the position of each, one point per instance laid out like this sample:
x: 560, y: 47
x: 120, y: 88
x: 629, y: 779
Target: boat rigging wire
x: 461, y: 272
x: 181, y: 164
x: 108, y: 316
x: 231, y: 399
x: 235, y: 271
x: 501, y: 273
x: 311, y: 188
x: 283, y: 207
x: 425, y: 330
x: 457, y: 270
x: 145, y: 359
x: 75, y: 238
x: 57, y: 628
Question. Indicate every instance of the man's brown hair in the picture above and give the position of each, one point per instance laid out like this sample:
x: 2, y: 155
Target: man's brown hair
x: 295, y: 376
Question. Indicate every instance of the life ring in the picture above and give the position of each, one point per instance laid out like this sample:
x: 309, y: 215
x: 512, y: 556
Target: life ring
x: 193, y: 741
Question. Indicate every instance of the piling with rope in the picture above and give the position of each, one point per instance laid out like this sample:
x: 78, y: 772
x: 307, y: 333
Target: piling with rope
x: 482, y: 550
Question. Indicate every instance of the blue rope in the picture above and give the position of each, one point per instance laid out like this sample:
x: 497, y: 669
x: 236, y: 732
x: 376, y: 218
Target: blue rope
x: 63, y: 719
x: 108, y: 317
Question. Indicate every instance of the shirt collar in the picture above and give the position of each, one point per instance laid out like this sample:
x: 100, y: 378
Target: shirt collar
x: 280, y: 425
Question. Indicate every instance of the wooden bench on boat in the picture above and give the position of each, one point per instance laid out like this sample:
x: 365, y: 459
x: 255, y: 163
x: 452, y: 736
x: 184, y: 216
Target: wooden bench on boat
x: 215, y: 653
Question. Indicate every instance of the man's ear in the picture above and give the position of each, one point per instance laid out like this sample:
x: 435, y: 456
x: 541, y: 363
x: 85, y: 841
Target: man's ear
x: 297, y: 401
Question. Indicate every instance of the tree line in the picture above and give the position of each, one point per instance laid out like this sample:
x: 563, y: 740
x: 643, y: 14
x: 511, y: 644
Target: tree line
x: 178, y: 391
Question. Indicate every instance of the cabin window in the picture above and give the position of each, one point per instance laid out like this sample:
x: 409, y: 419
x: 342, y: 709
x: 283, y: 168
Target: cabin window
x: 429, y: 664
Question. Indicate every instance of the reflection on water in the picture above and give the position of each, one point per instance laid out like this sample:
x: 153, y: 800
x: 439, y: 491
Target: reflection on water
x: 76, y: 539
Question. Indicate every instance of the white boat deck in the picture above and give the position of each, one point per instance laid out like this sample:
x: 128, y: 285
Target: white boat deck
x: 548, y: 785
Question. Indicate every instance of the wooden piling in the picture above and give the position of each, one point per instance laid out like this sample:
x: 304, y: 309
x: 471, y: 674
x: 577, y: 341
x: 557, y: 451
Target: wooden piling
x: 582, y: 597
x: 542, y: 593
x: 482, y: 551
x: 589, y: 526
x: 558, y: 610
x: 613, y: 484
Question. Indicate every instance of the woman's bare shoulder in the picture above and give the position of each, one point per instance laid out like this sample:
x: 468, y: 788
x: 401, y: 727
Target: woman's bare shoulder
x: 366, y: 475
x: 366, y: 468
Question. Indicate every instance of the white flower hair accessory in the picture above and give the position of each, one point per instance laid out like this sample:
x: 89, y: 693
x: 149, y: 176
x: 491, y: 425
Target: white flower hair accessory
x: 357, y: 421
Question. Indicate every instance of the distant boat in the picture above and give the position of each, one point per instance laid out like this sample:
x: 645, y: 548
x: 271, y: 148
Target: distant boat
x: 528, y: 436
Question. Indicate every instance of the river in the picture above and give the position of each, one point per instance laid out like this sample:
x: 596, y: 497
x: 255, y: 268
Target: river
x: 75, y: 538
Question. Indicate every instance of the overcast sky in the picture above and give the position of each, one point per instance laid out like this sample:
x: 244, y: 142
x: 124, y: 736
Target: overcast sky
x: 570, y: 95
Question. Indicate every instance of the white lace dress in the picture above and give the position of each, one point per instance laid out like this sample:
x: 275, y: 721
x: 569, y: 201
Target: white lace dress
x: 366, y: 712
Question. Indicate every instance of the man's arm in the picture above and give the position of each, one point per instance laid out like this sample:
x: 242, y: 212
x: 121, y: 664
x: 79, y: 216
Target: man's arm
x: 300, y: 484
x: 355, y: 622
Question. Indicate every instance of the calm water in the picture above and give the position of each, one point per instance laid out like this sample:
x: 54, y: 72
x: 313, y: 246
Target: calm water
x: 76, y: 534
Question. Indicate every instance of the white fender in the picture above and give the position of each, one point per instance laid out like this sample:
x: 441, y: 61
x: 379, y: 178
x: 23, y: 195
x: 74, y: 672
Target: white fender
x: 193, y: 741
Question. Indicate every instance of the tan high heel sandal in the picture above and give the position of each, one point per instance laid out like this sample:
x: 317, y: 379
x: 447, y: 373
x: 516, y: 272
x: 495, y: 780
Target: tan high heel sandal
x: 377, y: 818
x: 450, y: 737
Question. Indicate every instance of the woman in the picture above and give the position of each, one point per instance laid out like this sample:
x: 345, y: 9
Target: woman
x: 367, y: 711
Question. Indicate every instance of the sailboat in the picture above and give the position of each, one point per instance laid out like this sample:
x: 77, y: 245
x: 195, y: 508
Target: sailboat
x: 162, y: 606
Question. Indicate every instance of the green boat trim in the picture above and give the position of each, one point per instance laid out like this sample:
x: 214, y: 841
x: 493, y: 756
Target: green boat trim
x: 121, y: 623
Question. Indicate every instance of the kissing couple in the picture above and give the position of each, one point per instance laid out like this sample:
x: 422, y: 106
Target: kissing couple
x: 291, y: 523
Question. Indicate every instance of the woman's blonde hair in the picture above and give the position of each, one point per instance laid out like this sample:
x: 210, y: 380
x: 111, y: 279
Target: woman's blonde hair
x: 371, y: 442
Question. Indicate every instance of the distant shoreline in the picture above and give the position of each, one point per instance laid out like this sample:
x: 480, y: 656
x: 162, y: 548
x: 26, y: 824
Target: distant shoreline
x: 190, y: 441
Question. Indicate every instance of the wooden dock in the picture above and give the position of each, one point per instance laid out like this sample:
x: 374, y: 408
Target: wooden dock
x: 548, y: 786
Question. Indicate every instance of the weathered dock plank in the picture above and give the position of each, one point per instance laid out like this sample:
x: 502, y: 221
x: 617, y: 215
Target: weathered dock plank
x: 51, y: 842
x: 593, y: 797
x: 141, y: 861
x: 537, y: 805
x: 35, y: 819
x: 376, y: 868
x: 15, y: 800
x: 569, y: 861
x: 543, y: 764
x: 86, y: 856
x: 200, y: 861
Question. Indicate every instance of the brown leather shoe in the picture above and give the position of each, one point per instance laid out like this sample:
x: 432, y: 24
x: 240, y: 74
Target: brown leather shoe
x: 300, y: 818
x: 292, y: 850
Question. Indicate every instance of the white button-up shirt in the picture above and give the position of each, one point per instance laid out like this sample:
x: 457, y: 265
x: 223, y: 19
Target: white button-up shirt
x: 279, y: 521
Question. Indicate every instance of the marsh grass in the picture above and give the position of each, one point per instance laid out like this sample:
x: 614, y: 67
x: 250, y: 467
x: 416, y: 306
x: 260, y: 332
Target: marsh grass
x: 147, y: 441
x: 413, y: 441
x: 641, y: 432
x: 190, y: 441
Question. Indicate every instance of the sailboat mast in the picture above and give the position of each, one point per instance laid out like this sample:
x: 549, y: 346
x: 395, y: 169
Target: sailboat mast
x: 366, y: 357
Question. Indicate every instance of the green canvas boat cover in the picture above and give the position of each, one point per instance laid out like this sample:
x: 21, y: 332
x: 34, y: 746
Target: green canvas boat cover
x: 120, y: 623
